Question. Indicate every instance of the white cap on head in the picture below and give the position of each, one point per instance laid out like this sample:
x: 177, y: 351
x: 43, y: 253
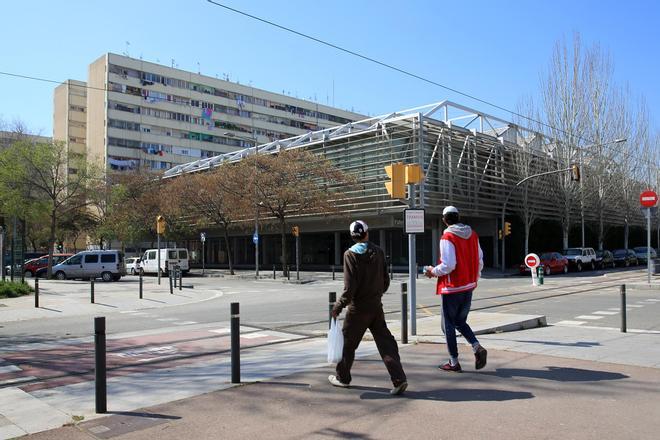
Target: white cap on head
x: 358, y: 228
x: 449, y: 209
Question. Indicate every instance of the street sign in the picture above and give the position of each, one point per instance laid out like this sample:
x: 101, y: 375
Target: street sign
x: 648, y: 199
x: 413, y: 221
x: 255, y: 238
x: 202, y: 236
x: 532, y: 261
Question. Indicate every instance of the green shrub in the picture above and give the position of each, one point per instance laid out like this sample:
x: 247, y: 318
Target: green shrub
x: 13, y: 290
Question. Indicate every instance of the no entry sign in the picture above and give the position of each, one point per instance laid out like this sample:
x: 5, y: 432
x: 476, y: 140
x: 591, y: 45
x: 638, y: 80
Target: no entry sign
x: 648, y: 199
x: 532, y: 261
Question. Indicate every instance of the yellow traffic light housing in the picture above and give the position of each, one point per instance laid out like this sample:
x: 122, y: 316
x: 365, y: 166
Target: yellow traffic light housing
x: 414, y: 173
x: 160, y: 224
x: 295, y: 230
x: 396, y: 187
x: 507, y: 228
x: 575, y: 173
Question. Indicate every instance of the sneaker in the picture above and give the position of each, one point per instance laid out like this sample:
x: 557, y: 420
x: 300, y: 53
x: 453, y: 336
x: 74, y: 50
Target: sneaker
x: 399, y: 389
x: 336, y: 382
x: 449, y: 367
x: 480, y: 358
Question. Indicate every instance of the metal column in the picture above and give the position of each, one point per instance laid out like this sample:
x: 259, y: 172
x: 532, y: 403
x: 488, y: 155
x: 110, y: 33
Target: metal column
x: 412, y: 256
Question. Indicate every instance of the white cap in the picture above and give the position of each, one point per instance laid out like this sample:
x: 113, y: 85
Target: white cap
x: 449, y: 209
x: 358, y: 228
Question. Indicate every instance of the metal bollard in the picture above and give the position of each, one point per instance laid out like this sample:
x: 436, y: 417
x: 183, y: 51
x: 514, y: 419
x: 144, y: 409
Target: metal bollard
x: 623, y: 309
x: 180, y: 279
x: 235, y: 343
x: 169, y: 273
x: 332, y: 298
x: 174, y: 277
x: 140, y: 284
x: 333, y: 272
x: 36, y: 292
x: 273, y: 271
x: 288, y: 273
x: 100, y: 366
x: 391, y: 272
x: 404, y: 313
x: 91, y: 289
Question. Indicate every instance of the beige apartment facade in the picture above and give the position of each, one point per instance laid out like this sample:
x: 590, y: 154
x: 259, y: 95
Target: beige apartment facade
x: 146, y: 116
x: 70, y: 119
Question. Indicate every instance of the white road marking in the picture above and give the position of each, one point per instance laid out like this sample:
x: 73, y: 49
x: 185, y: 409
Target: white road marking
x: 17, y: 379
x: 128, y: 311
x: 617, y: 309
x: 634, y: 305
x: 221, y: 331
x: 569, y: 322
x: 653, y: 300
x: 167, y: 319
x: 603, y: 312
x: 254, y: 335
x: 185, y: 323
x: 589, y: 317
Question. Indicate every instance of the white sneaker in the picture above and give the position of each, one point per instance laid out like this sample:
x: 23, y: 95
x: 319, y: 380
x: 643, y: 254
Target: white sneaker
x: 336, y: 382
x: 398, y: 390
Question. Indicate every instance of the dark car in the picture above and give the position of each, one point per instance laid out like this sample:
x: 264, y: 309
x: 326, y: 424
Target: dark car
x: 604, y: 259
x: 641, y: 253
x: 551, y: 262
x: 625, y: 257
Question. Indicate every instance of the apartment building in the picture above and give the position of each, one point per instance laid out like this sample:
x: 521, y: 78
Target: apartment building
x: 142, y: 115
x: 70, y: 118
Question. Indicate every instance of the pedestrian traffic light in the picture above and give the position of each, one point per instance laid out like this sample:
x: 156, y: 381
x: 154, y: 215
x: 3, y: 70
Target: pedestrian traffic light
x: 160, y: 224
x: 499, y: 234
x: 295, y: 230
x: 414, y: 173
x: 575, y: 173
x: 396, y: 187
x: 507, y: 228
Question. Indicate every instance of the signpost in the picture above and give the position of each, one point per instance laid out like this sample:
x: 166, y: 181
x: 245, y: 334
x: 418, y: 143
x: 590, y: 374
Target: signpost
x: 532, y: 261
x: 202, y: 238
x: 648, y: 199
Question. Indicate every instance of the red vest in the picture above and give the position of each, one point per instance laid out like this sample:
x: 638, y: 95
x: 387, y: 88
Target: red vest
x: 465, y: 275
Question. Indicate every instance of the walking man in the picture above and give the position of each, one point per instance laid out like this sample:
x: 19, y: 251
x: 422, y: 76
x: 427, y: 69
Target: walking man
x: 365, y: 281
x: 459, y: 269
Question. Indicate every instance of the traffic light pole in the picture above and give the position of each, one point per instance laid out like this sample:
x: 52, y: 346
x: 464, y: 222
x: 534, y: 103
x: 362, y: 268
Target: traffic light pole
x: 412, y: 265
x: 158, y: 258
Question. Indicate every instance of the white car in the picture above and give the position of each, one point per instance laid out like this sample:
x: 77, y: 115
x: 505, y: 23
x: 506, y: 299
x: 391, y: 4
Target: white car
x: 133, y: 265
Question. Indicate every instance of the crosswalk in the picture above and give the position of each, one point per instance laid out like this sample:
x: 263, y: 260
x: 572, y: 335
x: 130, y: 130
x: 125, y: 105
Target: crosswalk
x: 580, y: 320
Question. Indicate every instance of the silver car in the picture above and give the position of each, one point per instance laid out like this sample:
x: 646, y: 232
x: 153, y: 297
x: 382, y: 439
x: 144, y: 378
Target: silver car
x: 107, y: 265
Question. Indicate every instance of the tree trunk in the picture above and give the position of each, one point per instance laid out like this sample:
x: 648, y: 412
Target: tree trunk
x: 601, y: 232
x: 51, y: 243
x: 229, y: 251
x: 285, y: 267
x: 565, y: 228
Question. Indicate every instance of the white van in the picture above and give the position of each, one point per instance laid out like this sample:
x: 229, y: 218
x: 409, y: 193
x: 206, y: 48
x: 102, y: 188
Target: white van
x: 168, y: 257
x: 108, y: 265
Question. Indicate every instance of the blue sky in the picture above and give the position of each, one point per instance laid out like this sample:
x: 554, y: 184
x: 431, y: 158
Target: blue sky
x: 495, y: 50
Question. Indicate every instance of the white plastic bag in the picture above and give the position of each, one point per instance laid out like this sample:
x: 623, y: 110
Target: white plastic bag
x: 335, y: 343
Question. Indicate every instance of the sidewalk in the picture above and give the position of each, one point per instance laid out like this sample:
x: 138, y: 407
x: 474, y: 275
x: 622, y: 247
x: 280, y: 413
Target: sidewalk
x: 517, y: 396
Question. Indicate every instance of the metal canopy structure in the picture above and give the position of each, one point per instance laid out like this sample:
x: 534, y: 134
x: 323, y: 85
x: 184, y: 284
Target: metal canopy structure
x: 470, y: 159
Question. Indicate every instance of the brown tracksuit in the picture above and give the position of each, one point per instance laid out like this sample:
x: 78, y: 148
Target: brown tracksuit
x: 365, y: 281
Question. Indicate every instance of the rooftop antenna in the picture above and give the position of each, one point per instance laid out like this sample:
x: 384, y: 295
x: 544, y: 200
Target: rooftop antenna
x: 140, y: 57
x: 172, y: 62
x: 198, y: 69
x: 128, y: 43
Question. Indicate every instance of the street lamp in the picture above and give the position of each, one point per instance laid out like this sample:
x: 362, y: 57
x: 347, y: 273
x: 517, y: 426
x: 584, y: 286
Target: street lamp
x: 255, y: 237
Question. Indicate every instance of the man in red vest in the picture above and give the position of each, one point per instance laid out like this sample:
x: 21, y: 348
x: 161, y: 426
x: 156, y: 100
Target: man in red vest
x: 458, y: 270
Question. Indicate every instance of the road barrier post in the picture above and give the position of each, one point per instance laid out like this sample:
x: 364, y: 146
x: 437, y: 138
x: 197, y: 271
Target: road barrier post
x: 235, y: 343
x: 288, y: 272
x: 333, y: 272
x: 180, y: 279
x: 273, y: 271
x: 404, y: 313
x: 623, y: 309
x: 332, y: 298
x: 169, y: 276
x: 91, y: 288
x: 100, y: 366
x: 391, y: 272
x: 140, y: 284
x: 36, y: 291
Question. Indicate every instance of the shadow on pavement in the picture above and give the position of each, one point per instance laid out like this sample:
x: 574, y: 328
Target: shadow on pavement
x: 559, y: 374
x: 565, y: 344
x: 143, y: 414
x: 337, y: 433
x: 450, y: 395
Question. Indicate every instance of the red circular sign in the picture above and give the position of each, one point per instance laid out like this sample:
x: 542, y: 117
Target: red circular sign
x: 532, y: 260
x: 648, y: 199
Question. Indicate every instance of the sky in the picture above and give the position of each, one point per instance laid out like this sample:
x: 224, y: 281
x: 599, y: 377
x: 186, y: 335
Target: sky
x: 494, y: 50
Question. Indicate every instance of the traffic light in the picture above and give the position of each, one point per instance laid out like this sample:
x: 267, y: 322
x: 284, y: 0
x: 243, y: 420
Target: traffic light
x: 414, y: 173
x: 396, y: 187
x: 507, y: 228
x: 575, y: 173
x: 295, y: 230
x: 160, y: 224
x: 499, y: 234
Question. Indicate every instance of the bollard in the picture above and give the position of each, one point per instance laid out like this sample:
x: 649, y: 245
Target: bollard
x: 404, y: 313
x: 140, y: 284
x: 333, y: 272
x: 623, y: 309
x: 391, y: 272
x: 288, y: 272
x: 36, y: 292
x: 174, y: 276
x: 541, y: 274
x: 235, y: 343
x: 169, y: 273
x: 298, y: 272
x: 91, y: 288
x: 180, y: 279
x: 99, y: 365
x: 273, y: 271
x: 332, y: 298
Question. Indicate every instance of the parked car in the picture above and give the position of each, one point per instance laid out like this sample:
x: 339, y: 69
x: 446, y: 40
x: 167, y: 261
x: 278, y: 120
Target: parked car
x: 580, y: 258
x: 625, y: 257
x: 39, y: 266
x: 168, y: 258
x: 640, y: 253
x: 108, y: 265
x: 133, y: 265
x: 551, y: 262
x: 604, y: 259
x: 27, y: 257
